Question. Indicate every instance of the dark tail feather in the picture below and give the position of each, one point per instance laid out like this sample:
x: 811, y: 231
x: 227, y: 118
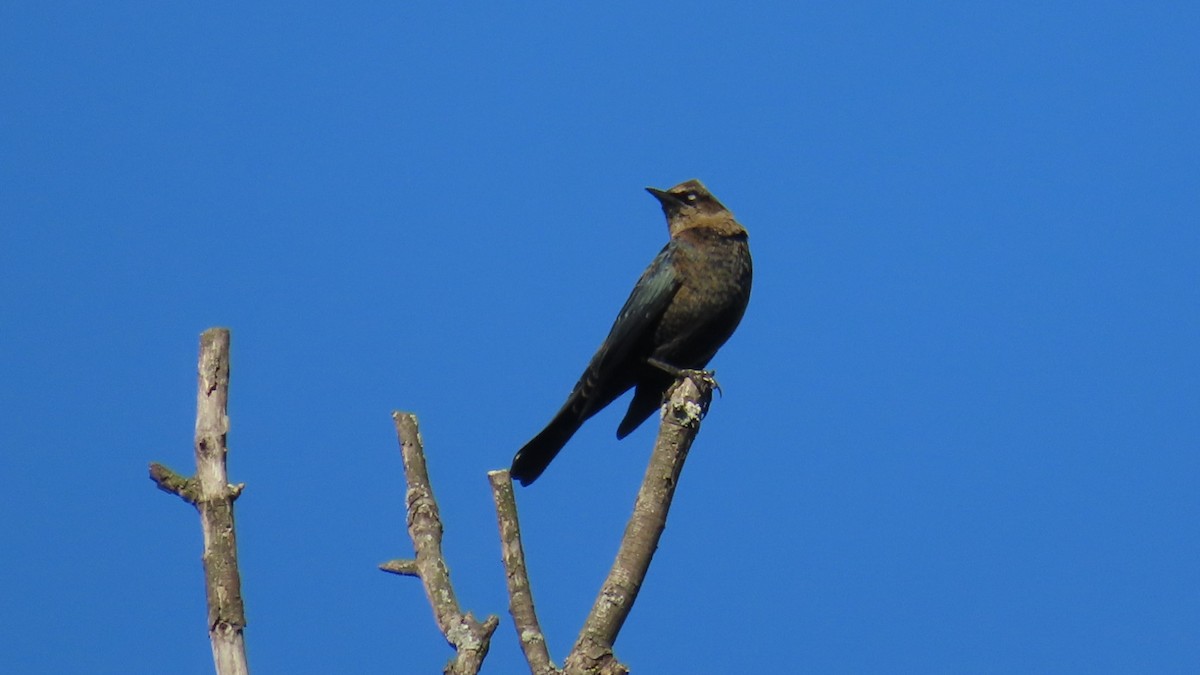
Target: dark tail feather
x: 646, y: 399
x: 533, y: 459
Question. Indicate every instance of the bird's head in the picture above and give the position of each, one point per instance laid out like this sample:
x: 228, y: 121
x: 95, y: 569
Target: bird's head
x: 688, y: 196
x: 689, y: 204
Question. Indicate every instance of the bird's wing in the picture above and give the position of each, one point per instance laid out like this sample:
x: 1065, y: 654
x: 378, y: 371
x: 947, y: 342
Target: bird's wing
x: 643, y: 309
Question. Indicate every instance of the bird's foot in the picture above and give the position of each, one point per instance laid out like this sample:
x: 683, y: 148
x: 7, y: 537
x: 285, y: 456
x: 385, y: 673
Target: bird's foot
x: 709, y: 377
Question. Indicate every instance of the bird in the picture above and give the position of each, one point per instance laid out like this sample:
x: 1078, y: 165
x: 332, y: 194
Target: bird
x: 684, y: 307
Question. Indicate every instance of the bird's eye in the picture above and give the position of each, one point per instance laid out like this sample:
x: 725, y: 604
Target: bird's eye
x: 691, y: 196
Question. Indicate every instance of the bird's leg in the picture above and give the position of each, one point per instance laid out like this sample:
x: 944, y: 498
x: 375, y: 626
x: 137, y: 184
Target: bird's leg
x: 708, y: 376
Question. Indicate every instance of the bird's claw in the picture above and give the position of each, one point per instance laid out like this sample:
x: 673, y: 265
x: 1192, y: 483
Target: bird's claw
x: 709, y: 377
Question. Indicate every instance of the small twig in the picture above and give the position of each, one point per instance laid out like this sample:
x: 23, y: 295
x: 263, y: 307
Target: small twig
x: 469, y: 638
x: 405, y: 567
x: 167, y: 480
x: 592, y: 653
x: 212, y: 495
x: 520, y: 598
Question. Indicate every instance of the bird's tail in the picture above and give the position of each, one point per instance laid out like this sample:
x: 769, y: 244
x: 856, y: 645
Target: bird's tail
x: 533, y: 459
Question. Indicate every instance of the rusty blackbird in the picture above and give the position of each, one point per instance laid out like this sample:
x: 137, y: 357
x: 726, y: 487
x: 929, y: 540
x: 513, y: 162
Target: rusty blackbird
x: 684, y: 307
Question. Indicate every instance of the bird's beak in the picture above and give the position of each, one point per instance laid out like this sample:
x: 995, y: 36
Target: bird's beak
x: 665, y: 198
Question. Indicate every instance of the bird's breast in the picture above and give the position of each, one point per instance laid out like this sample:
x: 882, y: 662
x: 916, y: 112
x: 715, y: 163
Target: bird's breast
x: 711, y: 300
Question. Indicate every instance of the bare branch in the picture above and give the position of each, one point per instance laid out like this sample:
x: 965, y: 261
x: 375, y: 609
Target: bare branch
x: 167, y: 480
x: 520, y: 598
x: 212, y: 495
x: 592, y: 653
x: 464, y: 632
x: 405, y: 567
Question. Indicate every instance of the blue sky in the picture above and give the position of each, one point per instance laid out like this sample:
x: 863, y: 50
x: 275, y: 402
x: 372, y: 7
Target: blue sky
x: 959, y: 430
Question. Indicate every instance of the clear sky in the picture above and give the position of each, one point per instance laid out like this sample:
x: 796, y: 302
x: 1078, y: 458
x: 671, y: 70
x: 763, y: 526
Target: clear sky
x: 959, y: 430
